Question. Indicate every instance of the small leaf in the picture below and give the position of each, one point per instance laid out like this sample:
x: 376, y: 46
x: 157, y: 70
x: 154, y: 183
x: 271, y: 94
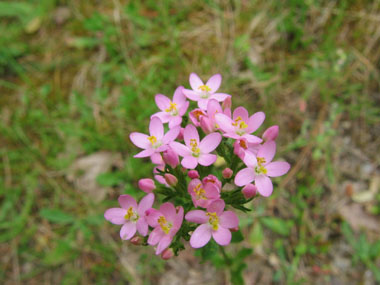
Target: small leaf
x: 277, y: 225
x: 237, y: 237
x: 57, y: 216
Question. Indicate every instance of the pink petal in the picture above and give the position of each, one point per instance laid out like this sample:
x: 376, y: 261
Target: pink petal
x: 271, y: 133
x: 171, y: 135
x: 264, y: 185
x: 217, y: 207
x: 152, y: 215
x: 178, y: 97
x: 192, y: 95
x: 267, y: 151
x: 128, y: 230
x: 277, y: 168
x: 189, y: 162
x: 145, y: 153
x: 252, y: 138
x: 115, y: 216
x: 202, y: 103
x: 193, y: 183
x: 255, y: 121
x: 224, y: 122
x: 214, y: 82
x: 180, y: 149
x: 156, y: 158
x: 162, y: 101
x: 195, y: 81
x: 168, y: 210
x: 212, y: 191
x: 250, y: 159
x: 244, y: 177
x: 140, y: 140
x: 155, y: 236
x: 126, y: 201
x: 182, y: 110
x: 178, y: 218
x: 189, y: 134
x: 228, y: 220
x: 163, y: 244
x: 219, y: 96
x: 222, y: 236
x: 196, y: 216
x: 213, y: 107
x: 145, y: 204
x: 142, y: 226
x: 175, y: 122
x: 210, y: 142
x: 163, y: 116
x: 201, y: 236
x: 207, y: 159
x: 156, y: 128
x: 241, y: 112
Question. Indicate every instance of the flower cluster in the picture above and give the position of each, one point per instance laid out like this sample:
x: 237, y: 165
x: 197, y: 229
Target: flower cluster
x: 188, y: 154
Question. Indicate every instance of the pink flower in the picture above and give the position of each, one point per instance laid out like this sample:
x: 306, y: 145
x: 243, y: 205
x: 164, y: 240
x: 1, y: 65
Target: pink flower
x: 166, y: 223
x: 214, y: 223
x: 130, y: 215
x: 157, y: 141
x: 147, y: 185
x: 203, y: 92
x: 171, y: 111
x: 241, y: 125
x: 213, y: 180
x: 202, y: 194
x: 195, y: 116
x: 195, y: 152
x: 260, y: 168
x: 208, y: 122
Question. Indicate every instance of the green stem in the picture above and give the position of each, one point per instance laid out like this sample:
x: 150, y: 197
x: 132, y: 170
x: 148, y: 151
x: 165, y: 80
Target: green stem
x: 227, y: 260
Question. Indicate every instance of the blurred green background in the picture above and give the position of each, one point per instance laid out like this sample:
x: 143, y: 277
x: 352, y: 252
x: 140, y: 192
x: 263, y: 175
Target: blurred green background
x: 76, y: 77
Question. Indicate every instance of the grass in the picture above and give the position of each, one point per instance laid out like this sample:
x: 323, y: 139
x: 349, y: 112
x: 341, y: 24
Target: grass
x: 76, y: 77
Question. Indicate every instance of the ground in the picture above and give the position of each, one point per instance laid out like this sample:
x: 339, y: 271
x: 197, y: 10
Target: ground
x: 76, y: 77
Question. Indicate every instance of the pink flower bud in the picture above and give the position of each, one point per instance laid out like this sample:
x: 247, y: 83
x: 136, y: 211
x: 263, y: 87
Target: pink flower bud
x: 136, y: 240
x: 214, y: 180
x: 180, y: 135
x: 193, y: 174
x: 170, y: 157
x: 249, y: 191
x: 227, y: 173
x: 167, y: 254
x: 147, y: 185
x: 227, y: 103
x: 271, y: 133
x: 195, y: 116
x: 171, y: 179
x: 206, y: 125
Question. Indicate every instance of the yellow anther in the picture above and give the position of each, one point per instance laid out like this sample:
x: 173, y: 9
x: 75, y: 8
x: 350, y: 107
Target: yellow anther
x: 261, y: 160
x: 194, y: 147
x: 200, y: 192
x: 198, y: 114
x: 204, y: 88
x: 152, y: 139
x: 261, y: 170
x: 165, y: 226
x: 243, y: 144
x: 243, y: 125
x: 172, y: 107
x: 129, y: 214
x: 213, y: 220
x: 239, y: 122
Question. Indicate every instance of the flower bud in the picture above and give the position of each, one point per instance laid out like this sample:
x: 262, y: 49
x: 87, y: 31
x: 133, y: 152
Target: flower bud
x: 227, y: 103
x: 193, y: 174
x: 271, y: 133
x: 206, y: 125
x: 147, y: 185
x: 156, y: 158
x: 171, y: 179
x: 136, y: 240
x: 167, y: 254
x: 214, y: 180
x: 170, y: 157
x: 249, y: 191
x: 227, y: 173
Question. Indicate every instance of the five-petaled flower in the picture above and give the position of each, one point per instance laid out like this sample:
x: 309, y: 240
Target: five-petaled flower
x: 215, y: 222
x: 130, y: 215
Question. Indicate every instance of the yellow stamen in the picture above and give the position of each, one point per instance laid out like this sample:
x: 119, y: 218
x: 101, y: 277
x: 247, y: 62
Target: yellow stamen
x: 243, y: 144
x: 261, y: 170
x: 197, y: 114
x: 213, y: 220
x: 260, y: 160
x: 194, y: 147
x: 204, y: 88
x: 240, y: 123
x: 129, y: 214
x: 200, y: 192
x: 165, y: 226
x: 152, y: 139
x: 172, y: 107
